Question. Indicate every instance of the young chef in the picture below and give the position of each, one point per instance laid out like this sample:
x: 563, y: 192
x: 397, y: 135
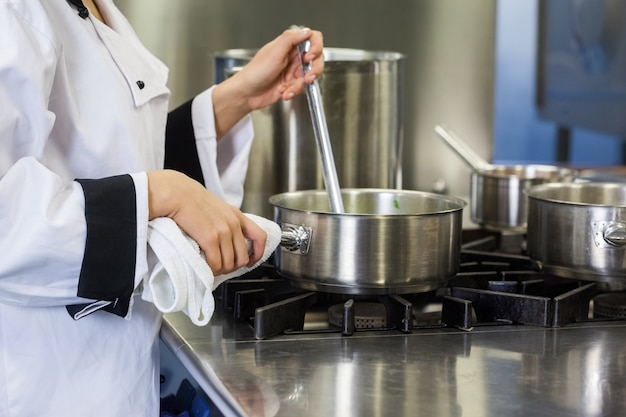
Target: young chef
x: 84, y: 135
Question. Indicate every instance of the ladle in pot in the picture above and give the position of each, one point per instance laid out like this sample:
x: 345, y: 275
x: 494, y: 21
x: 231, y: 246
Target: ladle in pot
x: 475, y: 161
x: 320, y: 128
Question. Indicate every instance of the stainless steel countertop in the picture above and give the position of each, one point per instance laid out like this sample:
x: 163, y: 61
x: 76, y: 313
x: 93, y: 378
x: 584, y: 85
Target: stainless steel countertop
x: 577, y: 370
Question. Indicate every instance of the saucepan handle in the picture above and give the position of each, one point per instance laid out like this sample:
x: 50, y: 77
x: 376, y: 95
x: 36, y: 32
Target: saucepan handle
x: 610, y: 233
x: 296, y: 238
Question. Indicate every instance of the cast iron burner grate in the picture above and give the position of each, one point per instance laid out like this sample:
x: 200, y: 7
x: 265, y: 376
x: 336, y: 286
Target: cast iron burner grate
x: 273, y: 307
x: 506, y: 288
x: 492, y: 288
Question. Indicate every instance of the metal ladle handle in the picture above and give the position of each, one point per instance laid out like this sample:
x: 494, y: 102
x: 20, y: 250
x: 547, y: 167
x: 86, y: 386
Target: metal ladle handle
x: 320, y: 128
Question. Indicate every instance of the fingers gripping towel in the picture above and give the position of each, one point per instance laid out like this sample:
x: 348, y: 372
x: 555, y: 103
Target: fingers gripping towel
x: 179, y: 277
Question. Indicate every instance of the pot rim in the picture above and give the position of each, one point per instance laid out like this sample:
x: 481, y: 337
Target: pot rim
x: 528, y: 172
x: 538, y: 192
x: 331, y: 55
x: 456, y: 204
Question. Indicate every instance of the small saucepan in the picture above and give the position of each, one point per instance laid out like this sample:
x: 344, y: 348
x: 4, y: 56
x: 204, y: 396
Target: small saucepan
x: 497, y: 193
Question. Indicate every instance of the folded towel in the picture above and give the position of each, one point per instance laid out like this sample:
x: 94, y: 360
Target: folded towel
x: 179, y: 277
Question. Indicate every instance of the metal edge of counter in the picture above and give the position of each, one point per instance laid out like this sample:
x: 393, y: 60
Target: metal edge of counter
x: 203, y: 374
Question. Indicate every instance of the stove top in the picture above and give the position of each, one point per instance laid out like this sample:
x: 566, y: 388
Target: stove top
x: 497, y: 285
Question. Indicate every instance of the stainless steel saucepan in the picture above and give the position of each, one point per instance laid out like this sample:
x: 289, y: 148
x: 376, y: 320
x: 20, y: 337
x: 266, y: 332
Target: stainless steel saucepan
x: 578, y: 230
x: 497, y: 198
x: 387, y: 241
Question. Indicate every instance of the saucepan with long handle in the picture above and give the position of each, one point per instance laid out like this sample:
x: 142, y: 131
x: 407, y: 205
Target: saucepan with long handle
x: 497, y: 192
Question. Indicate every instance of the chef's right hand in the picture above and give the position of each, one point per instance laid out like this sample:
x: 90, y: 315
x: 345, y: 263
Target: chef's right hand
x: 275, y: 72
x: 219, y: 228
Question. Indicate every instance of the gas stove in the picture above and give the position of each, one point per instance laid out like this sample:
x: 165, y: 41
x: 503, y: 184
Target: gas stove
x: 497, y: 285
x: 499, y: 338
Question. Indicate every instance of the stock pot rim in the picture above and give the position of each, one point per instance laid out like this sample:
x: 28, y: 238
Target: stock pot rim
x: 331, y: 54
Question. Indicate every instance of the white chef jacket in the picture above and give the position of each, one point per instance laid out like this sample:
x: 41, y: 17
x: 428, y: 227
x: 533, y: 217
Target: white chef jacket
x: 83, y: 113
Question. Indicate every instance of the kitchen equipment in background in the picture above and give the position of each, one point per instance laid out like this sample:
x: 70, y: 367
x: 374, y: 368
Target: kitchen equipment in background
x: 497, y: 199
x: 364, y: 91
x: 389, y: 242
x: 581, y: 64
x: 322, y: 137
x: 579, y: 230
x: 475, y: 161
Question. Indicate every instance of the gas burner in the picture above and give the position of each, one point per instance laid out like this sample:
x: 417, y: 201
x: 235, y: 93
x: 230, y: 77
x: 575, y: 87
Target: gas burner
x: 610, y: 305
x: 367, y: 315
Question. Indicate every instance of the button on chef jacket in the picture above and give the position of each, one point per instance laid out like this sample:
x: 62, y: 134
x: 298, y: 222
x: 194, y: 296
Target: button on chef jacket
x: 83, y: 116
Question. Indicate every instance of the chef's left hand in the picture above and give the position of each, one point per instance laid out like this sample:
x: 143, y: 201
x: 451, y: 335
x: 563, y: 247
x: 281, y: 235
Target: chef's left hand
x: 275, y: 72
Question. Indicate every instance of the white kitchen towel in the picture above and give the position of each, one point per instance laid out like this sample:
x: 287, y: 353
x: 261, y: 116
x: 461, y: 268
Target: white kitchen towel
x: 179, y: 277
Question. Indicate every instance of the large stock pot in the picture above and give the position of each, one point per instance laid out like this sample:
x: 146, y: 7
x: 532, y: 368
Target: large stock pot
x: 362, y: 92
x: 386, y: 242
x: 578, y: 230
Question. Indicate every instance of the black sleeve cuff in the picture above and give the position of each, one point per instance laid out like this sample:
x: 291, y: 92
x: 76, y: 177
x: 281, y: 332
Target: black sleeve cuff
x: 181, y: 153
x: 108, y: 270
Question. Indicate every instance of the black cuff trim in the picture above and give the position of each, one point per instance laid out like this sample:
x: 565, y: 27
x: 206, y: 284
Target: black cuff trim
x: 181, y: 153
x: 108, y: 268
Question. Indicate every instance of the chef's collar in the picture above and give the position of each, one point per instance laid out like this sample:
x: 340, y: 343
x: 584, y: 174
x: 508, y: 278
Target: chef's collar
x: 82, y: 10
